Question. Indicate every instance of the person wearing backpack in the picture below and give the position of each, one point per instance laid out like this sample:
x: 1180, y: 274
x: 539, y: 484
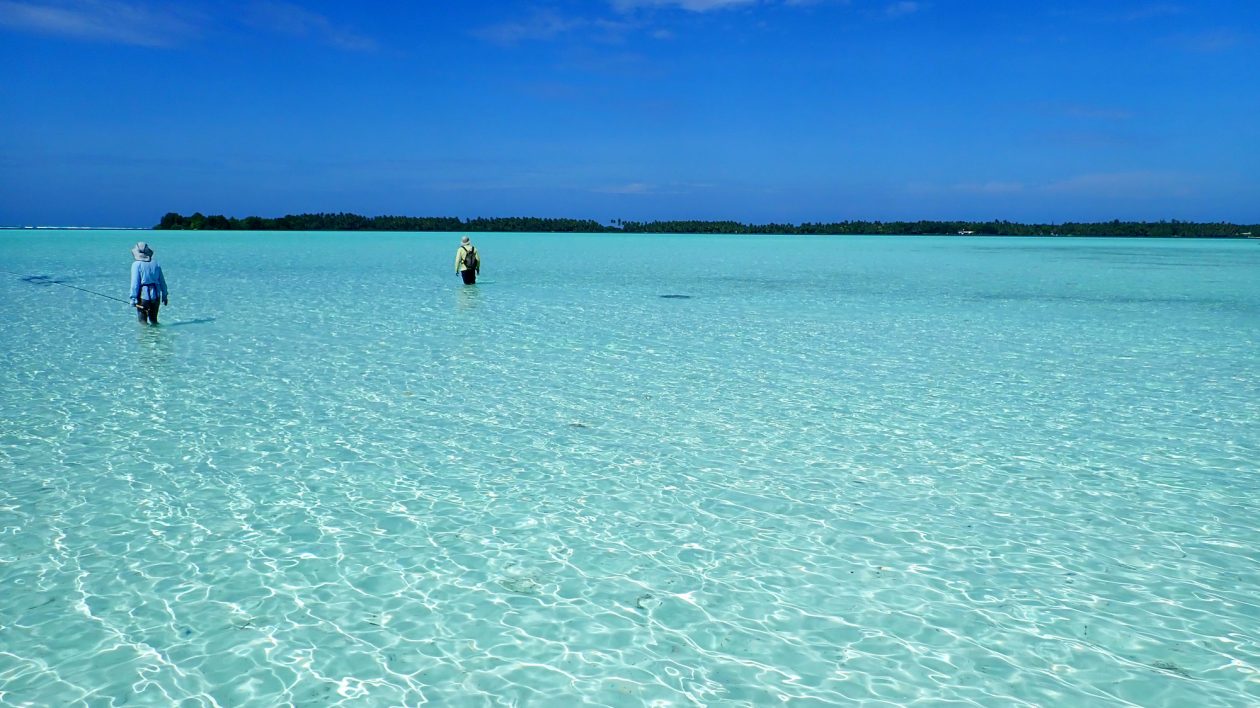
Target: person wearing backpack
x: 467, y: 261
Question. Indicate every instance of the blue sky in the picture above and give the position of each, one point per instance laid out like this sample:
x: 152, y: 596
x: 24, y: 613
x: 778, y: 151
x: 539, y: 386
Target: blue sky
x: 113, y: 112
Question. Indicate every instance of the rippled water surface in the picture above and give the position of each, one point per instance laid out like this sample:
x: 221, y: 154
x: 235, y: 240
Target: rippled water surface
x: 630, y: 470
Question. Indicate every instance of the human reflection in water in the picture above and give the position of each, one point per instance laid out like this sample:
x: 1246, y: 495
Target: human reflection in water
x: 155, y: 347
x: 469, y: 298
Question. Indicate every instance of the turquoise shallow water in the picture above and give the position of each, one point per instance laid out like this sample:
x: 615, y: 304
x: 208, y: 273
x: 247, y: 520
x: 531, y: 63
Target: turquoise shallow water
x: 840, y: 471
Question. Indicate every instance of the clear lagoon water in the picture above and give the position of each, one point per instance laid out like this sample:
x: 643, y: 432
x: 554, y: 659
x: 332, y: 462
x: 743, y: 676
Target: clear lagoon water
x: 833, y: 470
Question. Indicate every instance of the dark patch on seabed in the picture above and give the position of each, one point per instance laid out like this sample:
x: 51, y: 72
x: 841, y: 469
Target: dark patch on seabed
x: 676, y: 297
x: 1171, y: 668
x: 1220, y: 303
x: 42, y: 280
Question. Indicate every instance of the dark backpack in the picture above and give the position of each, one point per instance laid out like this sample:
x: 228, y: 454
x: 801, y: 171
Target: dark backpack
x: 470, y: 258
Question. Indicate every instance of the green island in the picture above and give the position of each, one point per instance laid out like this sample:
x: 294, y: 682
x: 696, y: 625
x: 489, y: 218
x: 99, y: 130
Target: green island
x: 356, y: 222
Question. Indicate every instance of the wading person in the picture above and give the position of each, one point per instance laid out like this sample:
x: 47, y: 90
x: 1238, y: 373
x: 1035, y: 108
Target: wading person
x: 467, y: 261
x: 148, y: 286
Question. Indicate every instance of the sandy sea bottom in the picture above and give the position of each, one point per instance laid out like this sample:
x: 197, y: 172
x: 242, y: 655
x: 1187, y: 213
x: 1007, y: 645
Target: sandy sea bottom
x: 936, y: 470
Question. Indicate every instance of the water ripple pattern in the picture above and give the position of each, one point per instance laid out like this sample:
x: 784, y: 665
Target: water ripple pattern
x: 631, y: 470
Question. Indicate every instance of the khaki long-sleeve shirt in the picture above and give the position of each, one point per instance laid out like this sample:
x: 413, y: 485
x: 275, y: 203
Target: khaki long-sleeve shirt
x: 459, y: 257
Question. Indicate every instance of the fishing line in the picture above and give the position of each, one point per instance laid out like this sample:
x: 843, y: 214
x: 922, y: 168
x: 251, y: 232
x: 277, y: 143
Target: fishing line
x: 45, y: 280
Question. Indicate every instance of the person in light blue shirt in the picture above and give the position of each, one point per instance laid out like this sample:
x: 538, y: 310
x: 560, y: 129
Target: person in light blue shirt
x: 148, y: 285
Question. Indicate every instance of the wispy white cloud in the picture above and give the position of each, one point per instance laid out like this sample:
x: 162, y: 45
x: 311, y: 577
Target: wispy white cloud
x: 1137, y: 183
x: 545, y: 25
x: 1151, y: 11
x: 629, y: 16
x: 542, y: 25
x: 1096, y: 139
x: 991, y: 187
x: 290, y: 19
x: 692, y: 5
x: 149, y: 23
x: 710, y: 5
x: 654, y: 189
x: 1209, y: 42
x: 630, y: 188
x: 140, y: 24
x: 1108, y: 13
x: 1089, y: 112
x: 902, y: 8
x: 1133, y: 184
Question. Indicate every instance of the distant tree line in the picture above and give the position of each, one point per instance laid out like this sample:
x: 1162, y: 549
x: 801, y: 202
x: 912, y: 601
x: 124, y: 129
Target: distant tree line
x: 355, y: 222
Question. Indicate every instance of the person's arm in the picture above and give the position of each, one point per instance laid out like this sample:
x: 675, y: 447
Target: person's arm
x: 459, y: 258
x: 162, y: 284
x: 478, y: 256
x: 135, y: 282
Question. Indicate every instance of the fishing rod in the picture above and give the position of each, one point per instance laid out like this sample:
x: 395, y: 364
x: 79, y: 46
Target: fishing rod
x: 45, y: 280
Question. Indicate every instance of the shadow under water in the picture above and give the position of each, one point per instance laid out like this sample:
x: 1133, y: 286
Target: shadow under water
x: 181, y: 323
x: 42, y: 280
